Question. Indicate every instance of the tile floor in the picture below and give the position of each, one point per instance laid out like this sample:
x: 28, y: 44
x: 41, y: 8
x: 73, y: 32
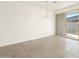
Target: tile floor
x: 49, y: 47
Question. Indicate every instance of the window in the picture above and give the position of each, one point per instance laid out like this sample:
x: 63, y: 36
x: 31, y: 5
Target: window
x: 72, y: 15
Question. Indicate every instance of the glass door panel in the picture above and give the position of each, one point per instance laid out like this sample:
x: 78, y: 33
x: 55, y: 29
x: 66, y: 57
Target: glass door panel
x: 72, y: 25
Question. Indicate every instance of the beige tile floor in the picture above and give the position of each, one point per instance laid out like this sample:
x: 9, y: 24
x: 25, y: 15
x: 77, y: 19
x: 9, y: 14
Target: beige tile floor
x: 49, y: 47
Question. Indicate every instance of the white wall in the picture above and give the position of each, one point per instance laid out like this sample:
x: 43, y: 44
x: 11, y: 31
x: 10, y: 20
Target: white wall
x: 20, y: 23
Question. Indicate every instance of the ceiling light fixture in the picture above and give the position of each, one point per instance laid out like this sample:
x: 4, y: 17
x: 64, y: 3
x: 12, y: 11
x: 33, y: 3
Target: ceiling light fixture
x: 47, y: 8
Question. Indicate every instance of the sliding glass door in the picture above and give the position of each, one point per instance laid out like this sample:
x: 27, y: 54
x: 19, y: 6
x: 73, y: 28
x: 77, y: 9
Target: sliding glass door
x: 72, y: 25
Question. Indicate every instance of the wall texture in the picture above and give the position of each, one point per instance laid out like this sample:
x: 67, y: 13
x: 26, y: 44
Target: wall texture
x: 19, y: 22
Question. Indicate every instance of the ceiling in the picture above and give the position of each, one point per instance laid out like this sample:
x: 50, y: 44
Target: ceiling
x: 63, y: 4
x: 52, y: 4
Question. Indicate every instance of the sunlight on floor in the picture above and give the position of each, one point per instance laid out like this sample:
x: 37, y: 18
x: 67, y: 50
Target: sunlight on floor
x: 72, y: 36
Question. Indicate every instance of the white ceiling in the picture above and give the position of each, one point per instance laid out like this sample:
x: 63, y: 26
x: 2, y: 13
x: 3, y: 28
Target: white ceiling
x: 55, y: 6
